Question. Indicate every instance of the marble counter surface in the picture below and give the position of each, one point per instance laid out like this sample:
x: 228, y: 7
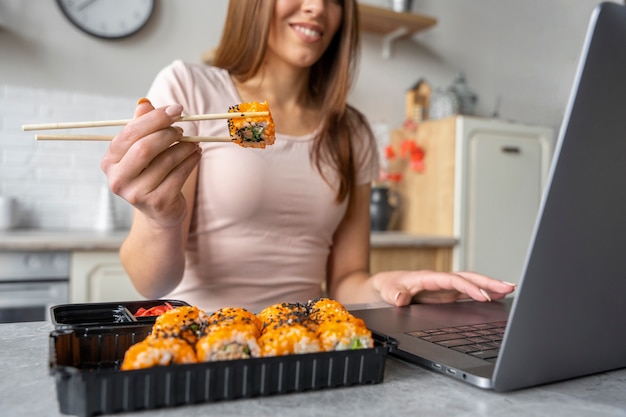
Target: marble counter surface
x: 27, y: 389
x: 42, y: 239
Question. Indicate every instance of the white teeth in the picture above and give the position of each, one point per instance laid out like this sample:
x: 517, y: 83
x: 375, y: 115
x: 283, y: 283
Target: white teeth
x: 308, y: 32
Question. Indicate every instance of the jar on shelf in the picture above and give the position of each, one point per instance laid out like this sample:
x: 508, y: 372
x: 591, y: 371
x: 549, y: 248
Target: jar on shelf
x: 443, y: 103
x: 466, y: 97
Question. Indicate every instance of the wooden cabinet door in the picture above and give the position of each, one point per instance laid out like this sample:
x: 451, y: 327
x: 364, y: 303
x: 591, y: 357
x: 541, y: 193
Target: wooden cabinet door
x: 410, y: 258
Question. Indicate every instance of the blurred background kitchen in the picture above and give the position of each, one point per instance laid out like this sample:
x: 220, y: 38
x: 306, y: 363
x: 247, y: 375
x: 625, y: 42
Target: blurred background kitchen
x: 518, y: 57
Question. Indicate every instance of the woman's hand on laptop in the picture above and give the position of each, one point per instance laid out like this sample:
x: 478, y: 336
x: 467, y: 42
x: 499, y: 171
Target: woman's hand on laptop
x: 401, y: 288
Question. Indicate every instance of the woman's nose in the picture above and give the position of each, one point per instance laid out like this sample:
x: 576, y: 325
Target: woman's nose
x: 313, y: 6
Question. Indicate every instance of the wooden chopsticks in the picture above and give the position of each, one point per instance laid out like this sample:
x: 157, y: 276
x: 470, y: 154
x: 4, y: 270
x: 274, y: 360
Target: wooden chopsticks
x: 110, y: 137
x: 123, y: 122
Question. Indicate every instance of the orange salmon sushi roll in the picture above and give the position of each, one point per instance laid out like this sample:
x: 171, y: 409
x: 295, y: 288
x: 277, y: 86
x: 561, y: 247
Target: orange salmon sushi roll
x: 321, y: 309
x: 158, y: 352
x: 238, y: 316
x: 252, y: 132
x: 344, y: 335
x: 283, y: 313
x: 288, y: 339
x: 228, y: 342
x: 185, y: 322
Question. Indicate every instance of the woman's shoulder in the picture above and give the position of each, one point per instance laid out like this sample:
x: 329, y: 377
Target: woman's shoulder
x: 198, y: 87
x: 188, y: 71
x: 364, y: 146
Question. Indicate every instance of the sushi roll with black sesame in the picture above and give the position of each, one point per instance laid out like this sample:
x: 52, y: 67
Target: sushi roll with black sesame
x: 284, y: 313
x: 287, y: 339
x: 336, y: 328
x: 321, y: 309
x: 228, y: 341
x: 241, y: 317
x: 185, y: 322
x: 254, y: 131
x: 152, y: 352
x: 345, y: 334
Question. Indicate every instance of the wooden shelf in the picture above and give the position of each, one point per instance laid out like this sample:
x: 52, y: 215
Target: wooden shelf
x: 391, y: 24
x: 384, y: 21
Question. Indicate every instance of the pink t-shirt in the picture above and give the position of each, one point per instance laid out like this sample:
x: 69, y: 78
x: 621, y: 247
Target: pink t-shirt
x: 263, y: 219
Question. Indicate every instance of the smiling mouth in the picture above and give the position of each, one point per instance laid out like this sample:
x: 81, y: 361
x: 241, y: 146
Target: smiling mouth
x: 308, y: 32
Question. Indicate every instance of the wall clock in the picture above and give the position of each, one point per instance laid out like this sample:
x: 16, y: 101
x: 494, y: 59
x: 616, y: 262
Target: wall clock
x: 108, y: 19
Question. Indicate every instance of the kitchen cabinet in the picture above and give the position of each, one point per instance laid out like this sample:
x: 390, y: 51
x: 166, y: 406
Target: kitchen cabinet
x: 482, y: 184
x: 410, y: 259
x: 391, y: 251
x: 392, y: 25
x: 98, y: 276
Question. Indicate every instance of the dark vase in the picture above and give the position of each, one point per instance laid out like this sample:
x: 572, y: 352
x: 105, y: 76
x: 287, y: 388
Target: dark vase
x: 383, y: 204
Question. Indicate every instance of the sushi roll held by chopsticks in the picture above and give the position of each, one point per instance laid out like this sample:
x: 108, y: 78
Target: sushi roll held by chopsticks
x: 250, y: 125
x: 254, y: 131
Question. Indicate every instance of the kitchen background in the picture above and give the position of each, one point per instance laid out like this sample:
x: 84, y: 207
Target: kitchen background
x: 518, y: 56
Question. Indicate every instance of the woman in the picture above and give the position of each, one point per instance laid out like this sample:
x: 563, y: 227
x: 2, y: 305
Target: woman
x: 219, y: 225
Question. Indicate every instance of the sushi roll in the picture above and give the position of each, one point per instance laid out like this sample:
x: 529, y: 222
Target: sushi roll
x: 158, y: 352
x: 255, y: 131
x: 324, y: 303
x: 322, y: 309
x: 287, y: 339
x: 337, y: 329
x: 347, y: 334
x: 284, y: 313
x: 241, y: 317
x: 185, y: 322
x: 228, y: 341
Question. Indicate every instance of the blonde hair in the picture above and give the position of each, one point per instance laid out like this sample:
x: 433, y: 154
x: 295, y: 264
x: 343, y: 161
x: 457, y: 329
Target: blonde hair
x: 241, y: 52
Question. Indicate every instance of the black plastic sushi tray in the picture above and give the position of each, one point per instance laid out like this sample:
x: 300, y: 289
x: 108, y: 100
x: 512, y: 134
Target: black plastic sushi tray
x: 89, y: 342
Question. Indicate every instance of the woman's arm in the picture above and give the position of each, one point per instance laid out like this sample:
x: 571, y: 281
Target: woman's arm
x: 154, y: 256
x: 348, y: 275
x: 348, y: 270
x: 148, y: 167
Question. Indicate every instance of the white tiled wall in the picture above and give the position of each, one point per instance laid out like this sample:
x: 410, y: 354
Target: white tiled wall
x: 57, y: 184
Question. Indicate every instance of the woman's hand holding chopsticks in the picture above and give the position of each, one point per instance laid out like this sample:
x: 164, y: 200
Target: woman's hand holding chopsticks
x: 147, y: 165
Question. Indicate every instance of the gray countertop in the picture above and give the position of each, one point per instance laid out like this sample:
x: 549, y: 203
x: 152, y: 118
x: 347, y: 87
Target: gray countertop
x: 76, y: 240
x: 400, y: 239
x: 26, y: 389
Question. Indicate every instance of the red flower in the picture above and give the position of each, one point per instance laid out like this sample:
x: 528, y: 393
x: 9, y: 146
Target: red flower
x: 394, y: 176
x: 417, y: 165
x: 390, y: 153
x: 411, y: 152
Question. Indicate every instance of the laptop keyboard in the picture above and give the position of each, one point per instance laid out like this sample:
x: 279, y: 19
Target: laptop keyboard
x: 479, y: 340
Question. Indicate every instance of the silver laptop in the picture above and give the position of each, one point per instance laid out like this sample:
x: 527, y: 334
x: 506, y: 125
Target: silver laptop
x: 568, y: 317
